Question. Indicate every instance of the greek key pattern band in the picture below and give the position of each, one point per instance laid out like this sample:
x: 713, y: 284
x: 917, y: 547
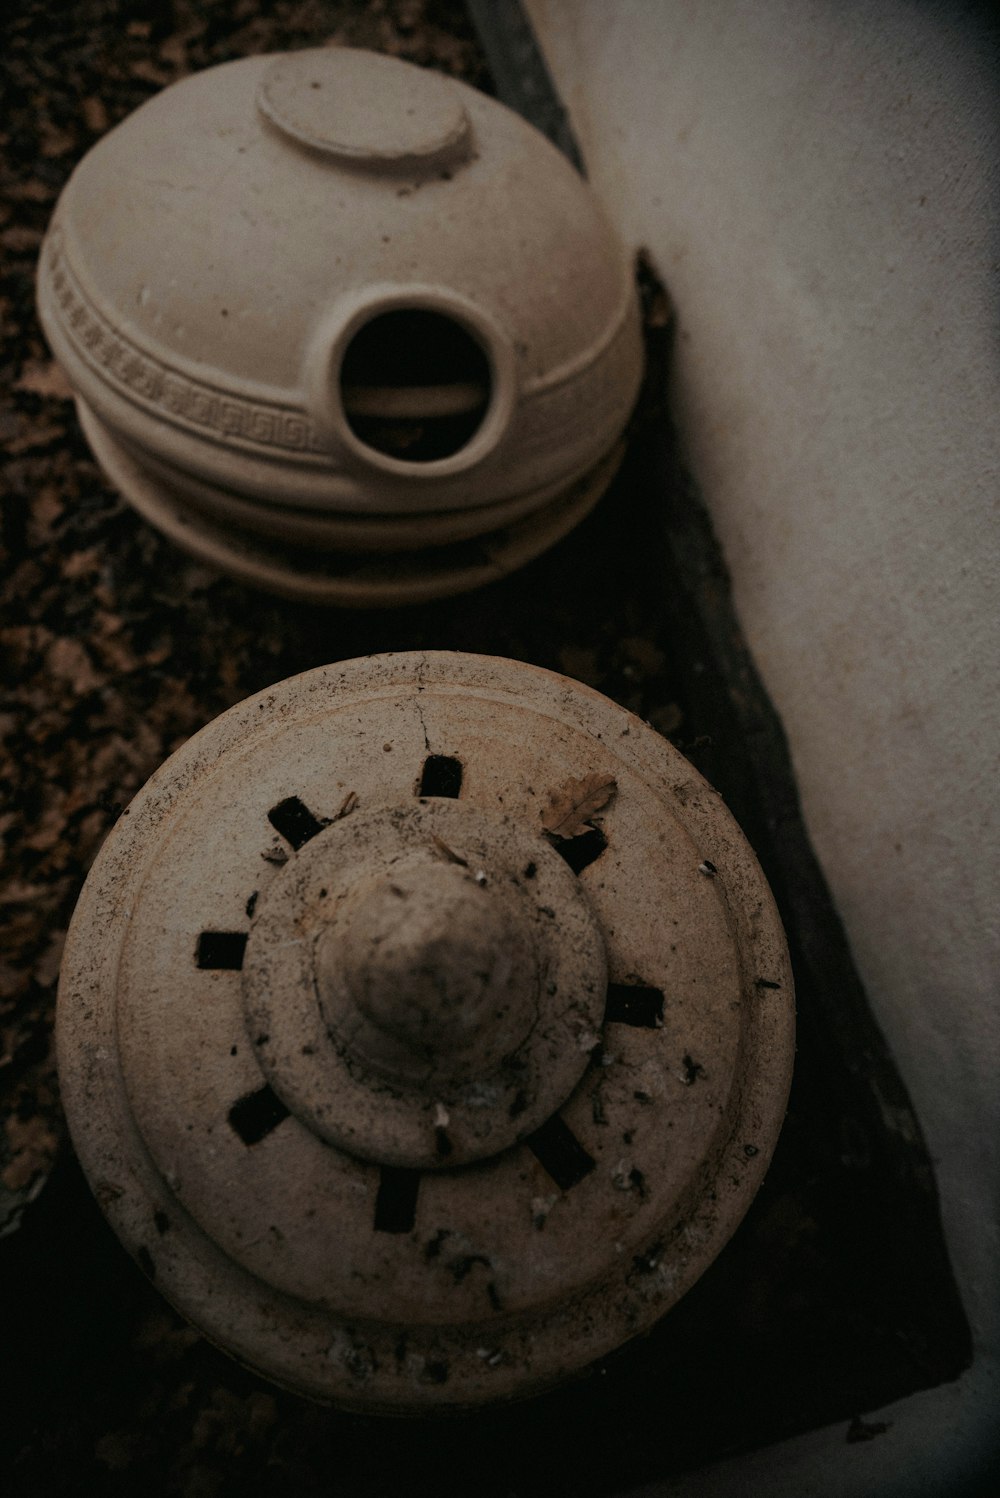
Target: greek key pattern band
x: 145, y: 380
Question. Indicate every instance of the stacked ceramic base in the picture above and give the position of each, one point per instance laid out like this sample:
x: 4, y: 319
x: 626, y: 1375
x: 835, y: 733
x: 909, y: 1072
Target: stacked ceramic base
x: 343, y: 327
x: 357, y: 560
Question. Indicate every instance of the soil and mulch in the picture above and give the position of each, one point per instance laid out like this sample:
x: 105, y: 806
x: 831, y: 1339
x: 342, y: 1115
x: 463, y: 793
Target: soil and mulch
x: 833, y: 1298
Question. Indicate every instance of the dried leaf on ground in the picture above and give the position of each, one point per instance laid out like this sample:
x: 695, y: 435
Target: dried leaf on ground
x: 571, y: 807
x: 44, y: 377
x: 69, y: 662
x: 35, y: 437
x: 19, y: 239
x: 95, y: 114
x: 55, y: 142
x: 31, y: 1148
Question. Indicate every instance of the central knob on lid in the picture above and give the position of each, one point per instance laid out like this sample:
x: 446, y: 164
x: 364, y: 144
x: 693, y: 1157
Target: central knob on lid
x: 364, y: 108
x: 422, y: 963
x: 433, y: 979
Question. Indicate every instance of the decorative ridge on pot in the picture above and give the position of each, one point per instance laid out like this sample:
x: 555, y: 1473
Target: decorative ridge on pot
x: 330, y: 281
x: 425, y: 1028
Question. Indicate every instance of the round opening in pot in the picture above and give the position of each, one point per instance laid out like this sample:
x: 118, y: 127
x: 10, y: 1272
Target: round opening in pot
x: 415, y: 385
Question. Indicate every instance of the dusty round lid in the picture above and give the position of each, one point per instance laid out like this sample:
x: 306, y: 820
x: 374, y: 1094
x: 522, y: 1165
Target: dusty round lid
x: 363, y: 106
x: 425, y: 1028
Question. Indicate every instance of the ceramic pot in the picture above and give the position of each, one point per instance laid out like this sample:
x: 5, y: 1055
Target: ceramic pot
x: 330, y: 288
x: 425, y: 1029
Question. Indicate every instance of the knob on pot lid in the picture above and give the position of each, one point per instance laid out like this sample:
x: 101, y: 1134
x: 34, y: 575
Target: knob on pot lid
x: 364, y: 107
x: 425, y: 1029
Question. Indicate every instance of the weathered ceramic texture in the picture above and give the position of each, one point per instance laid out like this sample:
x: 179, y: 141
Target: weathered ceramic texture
x: 211, y: 259
x: 414, y: 994
x: 356, y: 577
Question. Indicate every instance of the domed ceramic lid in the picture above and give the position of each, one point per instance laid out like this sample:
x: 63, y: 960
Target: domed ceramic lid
x: 425, y: 1029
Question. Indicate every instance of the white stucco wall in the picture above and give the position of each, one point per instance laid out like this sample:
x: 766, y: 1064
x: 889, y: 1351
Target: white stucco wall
x: 819, y: 184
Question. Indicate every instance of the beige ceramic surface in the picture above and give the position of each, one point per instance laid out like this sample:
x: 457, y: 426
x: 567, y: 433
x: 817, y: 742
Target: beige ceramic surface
x: 395, y: 1106
x: 315, y: 528
x: 219, y: 257
x: 350, y: 579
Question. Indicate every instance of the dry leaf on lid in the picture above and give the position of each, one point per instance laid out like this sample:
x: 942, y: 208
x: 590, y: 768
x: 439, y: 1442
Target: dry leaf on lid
x: 571, y: 807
